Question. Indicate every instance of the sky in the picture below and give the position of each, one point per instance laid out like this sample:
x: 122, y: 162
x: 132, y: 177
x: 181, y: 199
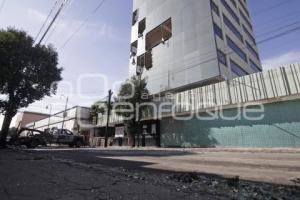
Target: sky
x: 97, y: 56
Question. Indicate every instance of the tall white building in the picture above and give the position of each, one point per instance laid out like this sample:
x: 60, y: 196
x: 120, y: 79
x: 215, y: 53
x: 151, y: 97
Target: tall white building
x: 181, y: 44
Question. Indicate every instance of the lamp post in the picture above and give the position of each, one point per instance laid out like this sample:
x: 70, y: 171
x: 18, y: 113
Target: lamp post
x: 65, y: 112
x: 50, y: 113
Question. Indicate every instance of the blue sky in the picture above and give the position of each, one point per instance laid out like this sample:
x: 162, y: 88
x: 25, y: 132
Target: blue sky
x: 102, y: 45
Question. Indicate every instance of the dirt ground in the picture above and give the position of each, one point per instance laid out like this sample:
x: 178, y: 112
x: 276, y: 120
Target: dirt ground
x: 149, y: 174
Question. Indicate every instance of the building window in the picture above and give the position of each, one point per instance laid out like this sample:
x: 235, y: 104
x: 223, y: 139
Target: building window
x: 218, y: 31
x: 231, y: 12
x: 142, y: 27
x: 233, y: 29
x: 246, y: 19
x: 252, y: 50
x: 236, y: 49
x: 249, y: 35
x: 133, y: 48
x: 254, y: 66
x: 159, y: 35
x: 135, y: 17
x: 237, y: 69
x: 222, y: 57
x: 145, y: 60
x: 148, y: 60
x: 233, y: 3
x: 141, y: 60
x: 244, y: 8
x: 214, y: 7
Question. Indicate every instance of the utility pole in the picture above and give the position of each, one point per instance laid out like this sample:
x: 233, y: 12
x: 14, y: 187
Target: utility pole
x: 50, y: 108
x: 53, y: 20
x: 110, y: 93
x: 64, y: 114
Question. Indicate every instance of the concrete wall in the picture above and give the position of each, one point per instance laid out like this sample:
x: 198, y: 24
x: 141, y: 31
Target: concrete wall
x: 25, y: 118
x: 279, y: 128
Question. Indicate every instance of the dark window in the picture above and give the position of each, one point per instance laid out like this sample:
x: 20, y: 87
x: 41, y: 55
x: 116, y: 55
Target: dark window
x: 133, y: 49
x: 233, y: 29
x: 218, y: 31
x: 148, y: 60
x: 135, y: 17
x: 244, y: 8
x: 142, y: 27
x: 233, y: 2
x: 214, y: 7
x: 159, y: 35
x: 238, y: 70
x: 246, y: 19
x: 236, y: 49
x: 254, y: 66
x: 141, y: 60
x: 249, y: 35
x: 222, y: 57
x: 231, y: 12
x: 252, y: 50
x: 145, y: 60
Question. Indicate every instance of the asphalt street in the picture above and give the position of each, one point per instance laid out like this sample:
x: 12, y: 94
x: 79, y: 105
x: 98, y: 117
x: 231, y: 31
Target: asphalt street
x: 146, y: 174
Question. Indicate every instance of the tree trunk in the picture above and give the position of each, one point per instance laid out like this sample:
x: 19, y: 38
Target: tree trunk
x: 5, y: 128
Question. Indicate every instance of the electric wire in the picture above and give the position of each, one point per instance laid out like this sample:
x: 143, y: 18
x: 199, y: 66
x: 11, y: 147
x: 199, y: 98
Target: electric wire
x: 46, y: 20
x: 53, y: 20
x: 82, y: 24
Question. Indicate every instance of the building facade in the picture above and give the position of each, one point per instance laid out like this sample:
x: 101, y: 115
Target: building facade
x: 76, y: 119
x: 179, y: 45
x: 24, y: 118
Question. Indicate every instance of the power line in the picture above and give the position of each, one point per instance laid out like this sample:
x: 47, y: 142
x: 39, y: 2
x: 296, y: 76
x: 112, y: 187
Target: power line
x: 53, y: 20
x: 46, y: 20
x: 278, y: 29
x: 59, y: 19
x: 83, y: 23
x: 272, y: 7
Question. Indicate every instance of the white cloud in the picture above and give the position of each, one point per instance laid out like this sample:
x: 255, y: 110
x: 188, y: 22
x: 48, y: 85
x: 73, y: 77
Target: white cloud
x: 281, y: 60
x: 36, y: 15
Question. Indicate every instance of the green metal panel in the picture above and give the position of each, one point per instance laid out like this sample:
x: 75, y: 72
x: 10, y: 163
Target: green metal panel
x: 280, y: 127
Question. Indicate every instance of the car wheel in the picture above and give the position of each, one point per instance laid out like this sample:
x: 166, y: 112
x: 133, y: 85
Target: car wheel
x: 78, y: 143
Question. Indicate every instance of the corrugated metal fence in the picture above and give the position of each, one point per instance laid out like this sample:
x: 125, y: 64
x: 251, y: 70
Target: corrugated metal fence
x: 271, y: 84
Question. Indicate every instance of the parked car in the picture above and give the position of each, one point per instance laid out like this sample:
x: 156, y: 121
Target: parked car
x: 67, y: 137
x: 30, y: 138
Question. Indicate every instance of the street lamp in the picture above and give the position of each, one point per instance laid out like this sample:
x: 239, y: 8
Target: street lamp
x: 65, y: 111
x: 50, y: 113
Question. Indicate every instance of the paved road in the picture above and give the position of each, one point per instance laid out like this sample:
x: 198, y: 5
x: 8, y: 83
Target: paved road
x: 145, y: 174
x: 273, y: 166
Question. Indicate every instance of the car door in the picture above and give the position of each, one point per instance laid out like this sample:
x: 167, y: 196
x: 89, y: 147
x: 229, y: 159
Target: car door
x: 62, y: 136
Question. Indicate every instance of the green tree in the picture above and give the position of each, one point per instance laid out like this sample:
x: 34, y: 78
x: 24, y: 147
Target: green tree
x: 97, y: 108
x: 28, y: 73
x: 132, y: 94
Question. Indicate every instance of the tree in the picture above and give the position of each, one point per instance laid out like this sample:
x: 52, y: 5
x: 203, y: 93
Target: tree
x: 132, y: 94
x: 97, y: 108
x: 28, y: 73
